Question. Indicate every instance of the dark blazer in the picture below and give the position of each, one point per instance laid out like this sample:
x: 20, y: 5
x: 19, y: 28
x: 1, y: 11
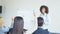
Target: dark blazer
x: 41, y: 31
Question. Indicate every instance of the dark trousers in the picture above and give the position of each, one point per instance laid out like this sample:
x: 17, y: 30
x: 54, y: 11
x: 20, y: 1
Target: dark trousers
x: 41, y: 31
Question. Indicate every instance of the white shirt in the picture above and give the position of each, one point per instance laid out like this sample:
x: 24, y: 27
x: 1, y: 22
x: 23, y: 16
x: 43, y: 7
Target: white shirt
x: 46, y: 20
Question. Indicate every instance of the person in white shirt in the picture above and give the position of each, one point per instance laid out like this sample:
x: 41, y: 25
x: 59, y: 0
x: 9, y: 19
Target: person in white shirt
x: 44, y: 14
x: 1, y: 23
x: 3, y: 28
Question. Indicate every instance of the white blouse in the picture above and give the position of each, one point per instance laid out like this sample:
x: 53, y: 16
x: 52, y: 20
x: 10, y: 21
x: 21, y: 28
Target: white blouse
x: 46, y: 20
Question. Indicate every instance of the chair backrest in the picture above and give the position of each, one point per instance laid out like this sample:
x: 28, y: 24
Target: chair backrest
x: 18, y: 25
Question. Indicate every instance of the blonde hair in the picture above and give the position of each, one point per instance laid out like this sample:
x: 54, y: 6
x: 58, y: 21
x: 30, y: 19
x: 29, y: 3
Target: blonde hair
x: 1, y: 21
x: 0, y: 17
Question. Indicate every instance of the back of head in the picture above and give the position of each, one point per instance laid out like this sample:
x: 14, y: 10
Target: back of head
x: 40, y: 21
x: 18, y: 25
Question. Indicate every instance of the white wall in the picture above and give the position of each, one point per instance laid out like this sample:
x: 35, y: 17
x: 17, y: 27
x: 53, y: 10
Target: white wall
x: 10, y: 8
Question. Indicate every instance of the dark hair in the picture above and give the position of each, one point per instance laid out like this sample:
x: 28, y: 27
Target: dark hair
x: 40, y: 21
x: 46, y: 8
x: 18, y: 25
x: 40, y: 18
x: 18, y: 17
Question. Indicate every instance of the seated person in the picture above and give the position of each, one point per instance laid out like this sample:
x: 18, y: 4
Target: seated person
x: 40, y: 30
x: 12, y: 24
x: 3, y: 28
x: 1, y: 22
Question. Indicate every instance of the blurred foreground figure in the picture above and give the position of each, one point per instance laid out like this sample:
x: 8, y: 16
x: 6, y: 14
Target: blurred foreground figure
x: 1, y: 21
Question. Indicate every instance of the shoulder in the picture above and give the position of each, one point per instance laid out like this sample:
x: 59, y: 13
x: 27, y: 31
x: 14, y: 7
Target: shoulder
x: 41, y: 15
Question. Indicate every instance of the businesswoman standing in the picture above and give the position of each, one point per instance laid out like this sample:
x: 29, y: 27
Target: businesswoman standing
x: 44, y: 14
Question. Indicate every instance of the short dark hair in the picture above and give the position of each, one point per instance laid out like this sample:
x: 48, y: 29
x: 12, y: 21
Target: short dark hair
x: 46, y: 8
x: 40, y: 21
